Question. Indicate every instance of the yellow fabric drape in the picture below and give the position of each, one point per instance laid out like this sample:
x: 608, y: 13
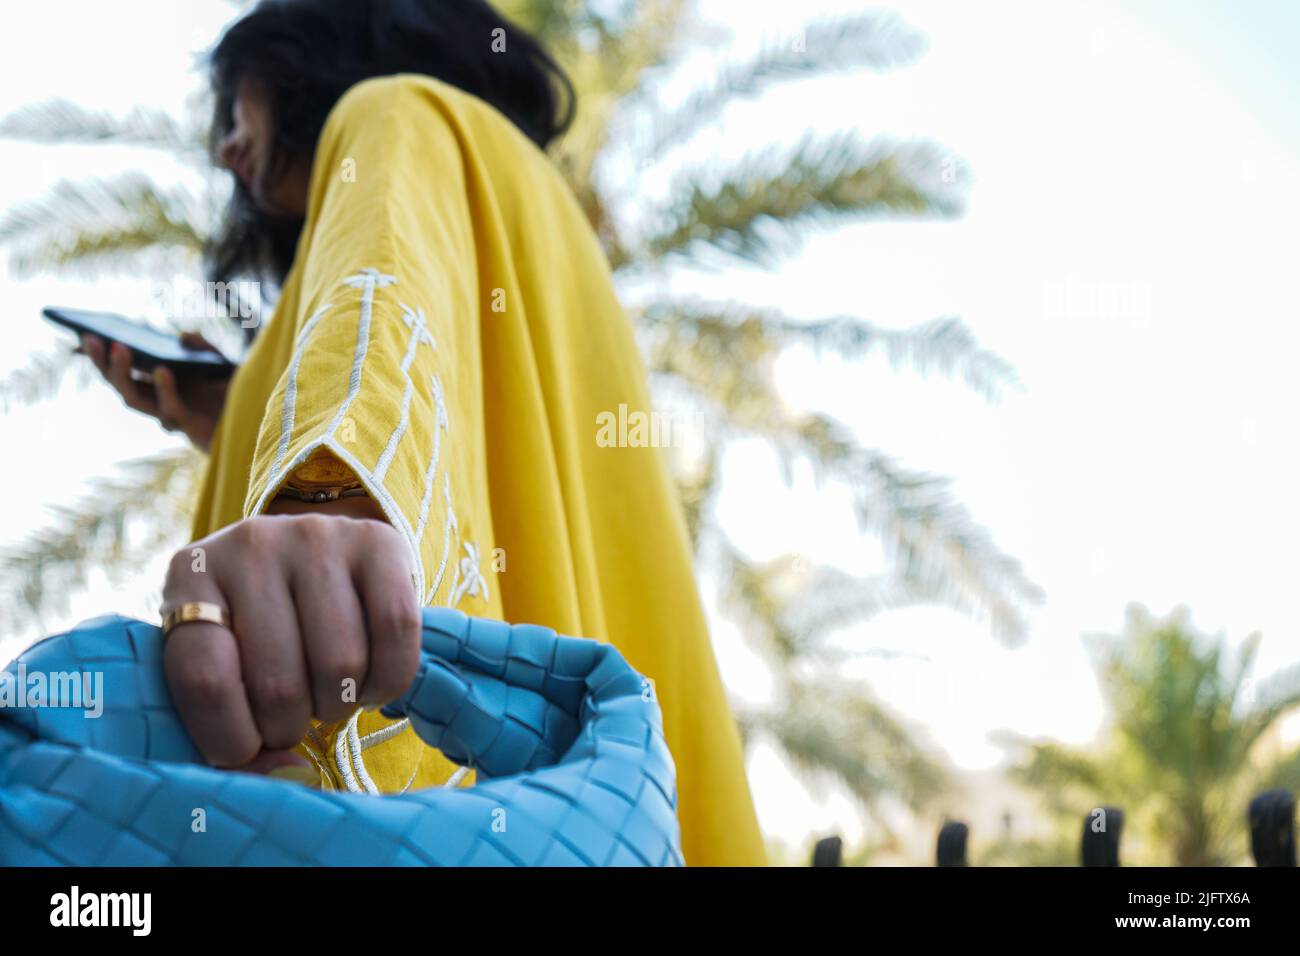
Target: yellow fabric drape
x: 449, y: 332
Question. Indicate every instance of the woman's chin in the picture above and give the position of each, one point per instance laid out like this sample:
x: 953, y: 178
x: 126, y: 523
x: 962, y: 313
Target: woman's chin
x: 277, y: 207
x: 280, y: 204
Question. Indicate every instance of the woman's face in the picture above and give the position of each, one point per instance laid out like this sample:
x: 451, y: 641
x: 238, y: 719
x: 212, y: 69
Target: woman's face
x: 248, y: 149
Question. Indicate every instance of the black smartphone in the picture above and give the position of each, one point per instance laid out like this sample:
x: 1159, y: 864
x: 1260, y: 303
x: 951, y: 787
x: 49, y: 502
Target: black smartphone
x: 149, y: 347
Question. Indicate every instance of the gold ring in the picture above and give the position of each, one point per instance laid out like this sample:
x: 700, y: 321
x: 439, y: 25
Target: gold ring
x: 195, y: 611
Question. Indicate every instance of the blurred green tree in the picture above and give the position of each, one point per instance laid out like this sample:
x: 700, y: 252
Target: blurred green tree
x: 716, y: 357
x: 1191, y: 738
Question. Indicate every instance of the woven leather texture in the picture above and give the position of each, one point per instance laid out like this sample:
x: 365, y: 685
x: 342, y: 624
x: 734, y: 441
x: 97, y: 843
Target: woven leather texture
x: 565, y: 738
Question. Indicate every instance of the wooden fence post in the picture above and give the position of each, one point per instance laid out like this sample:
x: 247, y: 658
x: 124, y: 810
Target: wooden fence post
x: 1272, y: 828
x: 951, y: 849
x: 1101, y: 832
x: 828, y: 851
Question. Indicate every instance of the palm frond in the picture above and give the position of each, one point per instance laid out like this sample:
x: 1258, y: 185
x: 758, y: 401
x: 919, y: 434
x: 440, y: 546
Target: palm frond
x: 1068, y: 780
x: 935, y: 546
x: 932, y: 540
x: 60, y: 121
x: 831, y: 599
x: 606, y: 52
x: 1272, y: 699
x: 696, y: 490
x: 40, y: 379
x: 152, y: 496
x: 831, y: 727
x: 756, y: 210
x: 877, y: 40
x: 630, y: 47
x: 95, y: 225
x: 791, y: 605
x: 557, y: 23
x: 733, y: 332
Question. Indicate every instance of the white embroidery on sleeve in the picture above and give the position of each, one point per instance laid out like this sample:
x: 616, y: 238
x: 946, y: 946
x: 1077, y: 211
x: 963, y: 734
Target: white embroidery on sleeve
x: 289, y: 410
x: 414, y: 319
x: 367, y: 280
x: 470, y: 575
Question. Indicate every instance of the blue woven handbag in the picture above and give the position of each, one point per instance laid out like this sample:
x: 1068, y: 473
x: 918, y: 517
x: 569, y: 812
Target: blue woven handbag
x: 565, y: 738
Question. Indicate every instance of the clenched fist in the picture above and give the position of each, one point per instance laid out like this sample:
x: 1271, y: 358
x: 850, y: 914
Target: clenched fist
x: 324, y: 618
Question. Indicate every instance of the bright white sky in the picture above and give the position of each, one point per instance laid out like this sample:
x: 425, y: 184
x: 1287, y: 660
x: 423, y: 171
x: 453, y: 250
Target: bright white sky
x: 1142, y: 152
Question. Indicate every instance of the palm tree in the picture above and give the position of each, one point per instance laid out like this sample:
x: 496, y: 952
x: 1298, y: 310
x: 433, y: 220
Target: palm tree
x: 1192, y: 738
x: 715, y: 357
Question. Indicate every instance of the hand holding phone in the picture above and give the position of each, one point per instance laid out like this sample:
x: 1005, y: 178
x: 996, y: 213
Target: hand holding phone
x: 186, y: 404
x: 179, y: 380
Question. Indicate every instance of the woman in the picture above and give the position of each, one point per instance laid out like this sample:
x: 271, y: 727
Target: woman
x: 417, y: 425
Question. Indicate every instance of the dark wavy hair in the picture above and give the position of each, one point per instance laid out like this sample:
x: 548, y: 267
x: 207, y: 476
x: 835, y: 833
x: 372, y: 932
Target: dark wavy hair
x: 307, y: 53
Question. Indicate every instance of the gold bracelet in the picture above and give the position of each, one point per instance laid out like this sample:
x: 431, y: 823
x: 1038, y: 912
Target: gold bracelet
x: 322, y: 479
x: 190, y: 611
x: 328, y: 493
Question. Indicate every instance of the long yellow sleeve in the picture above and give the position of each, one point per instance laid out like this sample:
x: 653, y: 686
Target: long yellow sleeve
x: 381, y: 370
x: 449, y: 333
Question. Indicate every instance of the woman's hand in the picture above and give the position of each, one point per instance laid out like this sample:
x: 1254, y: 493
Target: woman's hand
x: 324, y: 618
x: 191, y: 405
